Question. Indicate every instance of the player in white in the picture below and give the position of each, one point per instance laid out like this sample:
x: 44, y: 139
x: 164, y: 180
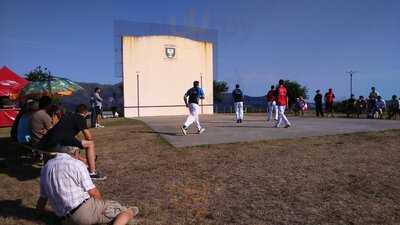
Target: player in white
x: 237, y: 96
x: 191, y: 99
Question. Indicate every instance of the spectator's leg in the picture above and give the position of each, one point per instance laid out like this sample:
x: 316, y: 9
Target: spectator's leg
x: 124, y: 217
x: 90, y: 155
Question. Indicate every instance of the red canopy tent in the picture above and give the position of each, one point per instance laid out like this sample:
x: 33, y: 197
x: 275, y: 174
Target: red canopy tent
x: 10, y: 85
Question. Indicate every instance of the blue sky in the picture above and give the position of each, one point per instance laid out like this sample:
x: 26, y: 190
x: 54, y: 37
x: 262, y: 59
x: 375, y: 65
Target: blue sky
x: 260, y: 41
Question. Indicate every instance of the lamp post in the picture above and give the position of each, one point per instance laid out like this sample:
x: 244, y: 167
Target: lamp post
x: 351, y: 73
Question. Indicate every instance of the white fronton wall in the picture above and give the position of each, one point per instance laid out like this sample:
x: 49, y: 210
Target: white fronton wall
x: 154, y: 84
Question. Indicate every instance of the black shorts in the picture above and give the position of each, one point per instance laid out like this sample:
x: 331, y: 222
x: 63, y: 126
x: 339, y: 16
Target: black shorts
x: 49, y: 145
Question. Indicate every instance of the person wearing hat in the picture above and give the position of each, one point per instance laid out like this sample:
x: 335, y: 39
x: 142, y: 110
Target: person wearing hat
x: 318, y: 103
x: 66, y: 184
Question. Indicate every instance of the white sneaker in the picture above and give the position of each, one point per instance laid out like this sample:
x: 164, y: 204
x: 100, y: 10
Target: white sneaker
x: 99, y: 126
x: 201, y: 130
x: 184, y: 131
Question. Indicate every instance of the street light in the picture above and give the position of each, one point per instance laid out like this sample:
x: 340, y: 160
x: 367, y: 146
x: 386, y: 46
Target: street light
x: 351, y: 73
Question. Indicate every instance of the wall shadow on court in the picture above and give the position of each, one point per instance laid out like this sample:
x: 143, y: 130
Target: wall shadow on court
x: 240, y: 126
x: 156, y: 132
x: 15, y: 209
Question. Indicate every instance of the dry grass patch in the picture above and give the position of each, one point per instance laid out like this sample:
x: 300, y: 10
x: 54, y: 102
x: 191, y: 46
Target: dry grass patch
x: 342, y: 179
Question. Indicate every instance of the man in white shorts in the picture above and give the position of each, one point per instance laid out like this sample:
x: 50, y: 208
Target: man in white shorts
x: 191, y: 99
x: 238, y: 98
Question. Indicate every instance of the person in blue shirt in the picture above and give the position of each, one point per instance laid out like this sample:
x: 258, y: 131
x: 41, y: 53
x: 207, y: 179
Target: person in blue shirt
x: 191, y: 98
x: 23, y: 134
x: 237, y: 96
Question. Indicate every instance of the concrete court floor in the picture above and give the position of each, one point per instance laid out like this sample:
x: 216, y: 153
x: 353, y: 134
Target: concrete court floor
x: 222, y: 128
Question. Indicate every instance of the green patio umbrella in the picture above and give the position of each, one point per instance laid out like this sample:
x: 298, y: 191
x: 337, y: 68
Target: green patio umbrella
x: 53, y: 86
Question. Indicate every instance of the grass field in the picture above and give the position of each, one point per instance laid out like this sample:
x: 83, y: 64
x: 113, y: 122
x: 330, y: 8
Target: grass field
x: 343, y: 179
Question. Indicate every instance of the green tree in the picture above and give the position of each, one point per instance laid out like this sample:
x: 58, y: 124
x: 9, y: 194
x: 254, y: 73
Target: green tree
x: 295, y: 90
x: 219, y: 88
x: 38, y: 74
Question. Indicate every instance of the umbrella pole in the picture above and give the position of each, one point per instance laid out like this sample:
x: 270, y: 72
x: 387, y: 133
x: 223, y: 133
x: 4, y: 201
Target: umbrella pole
x: 49, y: 84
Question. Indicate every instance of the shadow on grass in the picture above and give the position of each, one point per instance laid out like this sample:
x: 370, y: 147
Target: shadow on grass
x: 20, y: 168
x: 155, y: 132
x: 121, y: 122
x: 15, y: 209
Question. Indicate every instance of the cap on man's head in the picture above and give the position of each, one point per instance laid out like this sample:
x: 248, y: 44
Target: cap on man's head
x: 272, y: 86
x: 318, y: 90
x: 237, y: 86
x: 196, y: 83
x: 281, y: 82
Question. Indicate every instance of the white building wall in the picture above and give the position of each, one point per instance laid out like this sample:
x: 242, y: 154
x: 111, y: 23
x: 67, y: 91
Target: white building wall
x: 154, y: 84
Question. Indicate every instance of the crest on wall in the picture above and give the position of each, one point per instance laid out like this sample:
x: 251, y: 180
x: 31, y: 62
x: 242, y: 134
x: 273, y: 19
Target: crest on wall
x: 170, y: 52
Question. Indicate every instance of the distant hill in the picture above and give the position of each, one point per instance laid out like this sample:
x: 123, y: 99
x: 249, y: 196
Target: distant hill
x: 83, y: 96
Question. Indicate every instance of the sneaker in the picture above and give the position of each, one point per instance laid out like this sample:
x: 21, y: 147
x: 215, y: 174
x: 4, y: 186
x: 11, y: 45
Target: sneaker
x: 201, y: 130
x: 184, y: 131
x: 97, y: 176
x: 134, y: 221
x: 134, y: 209
x: 287, y: 126
x: 237, y: 121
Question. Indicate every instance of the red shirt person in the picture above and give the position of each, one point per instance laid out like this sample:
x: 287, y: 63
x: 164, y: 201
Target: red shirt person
x: 329, y: 99
x: 271, y: 103
x: 282, y: 101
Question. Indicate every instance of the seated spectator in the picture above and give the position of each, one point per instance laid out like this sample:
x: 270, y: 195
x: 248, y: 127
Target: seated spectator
x: 296, y: 107
x: 66, y: 184
x: 54, y: 113
x: 380, y: 107
x: 40, y: 122
x: 300, y: 107
x: 350, y: 106
x: 23, y: 134
x: 14, y: 128
x: 65, y: 132
x: 361, y: 106
x: 394, y: 107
